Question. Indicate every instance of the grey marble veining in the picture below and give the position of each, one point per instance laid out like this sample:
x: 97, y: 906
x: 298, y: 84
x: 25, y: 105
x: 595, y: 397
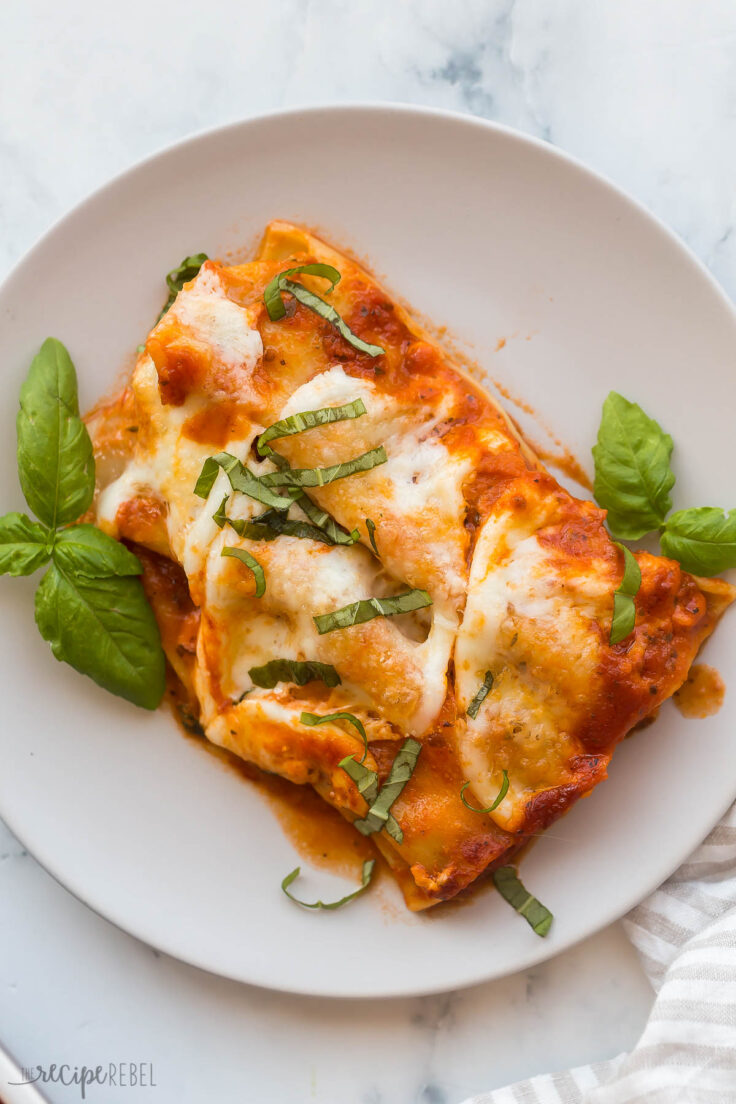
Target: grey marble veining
x: 642, y: 90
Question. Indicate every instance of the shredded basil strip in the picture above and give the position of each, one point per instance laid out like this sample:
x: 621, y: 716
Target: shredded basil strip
x: 315, y: 513
x: 252, y: 563
x: 272, y: 524
x: 509, y: 885
x: 499, y: 797
x: 367, y: 874
x: 371, y: 527
x: 276, y: 310
x: 379, y: 814
x: 220, y: 517
x: 624, y: 607
x: 315, y: 719
x: 320, y: 477
x: 364, y: 778
x: 308, y: 419
x: 483, y: 692
x: 181, y: 275
x: 241, y: 479
x: 272, y: 295
x: 365, y: 610
x: 293, y: 670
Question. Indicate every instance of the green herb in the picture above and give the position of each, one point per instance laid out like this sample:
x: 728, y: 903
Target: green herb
x: 178, y: 277
x: 703, y: 539
x: 315, y: 719
x: 274, y: 523
x: 632, y: 473
x: 56, y: 465
x: 320, y: 477
x: 331, y: 528
x: 368, y: 866
x: 250, y: 562
x: 371, y: 527
x: 276, y: 310
x: 291, y: 670
x: 364, y: 778
x: 624, y: 607
x: 241, y: 479
x: 365, y: 610
x: 499, y: 797
x: 219, y: 517
x: 379, y: 813
x: 90, y: 605
x: 308, y: 419
x: 510, y: 887
x: 481, y: 695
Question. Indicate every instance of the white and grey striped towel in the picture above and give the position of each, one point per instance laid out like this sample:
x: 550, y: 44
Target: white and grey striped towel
x: 685, y: 934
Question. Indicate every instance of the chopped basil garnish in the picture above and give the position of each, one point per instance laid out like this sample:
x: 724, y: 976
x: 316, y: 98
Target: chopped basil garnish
x: 320, y: 477
x: 331, y: 528
x: 379, y: 814
x: 241, y: 479
x: 483, y: 692
x: 181, y: 275
x: 364, y: 778
x: 499, y: 796
x: 275, y: 523
x: 624, y: 607
x: 292, y: 670
x: 367, y: 874
x: 510, y: 887
x: 276, y: 310
x: 371, y: 527
x: 308, y: 419
x: 220, y: 517
x: 252, y: 563
x: 315, y: 719
x: 365, y: 610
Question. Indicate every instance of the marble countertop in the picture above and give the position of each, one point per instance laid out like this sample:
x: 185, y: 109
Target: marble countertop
x: 645, y: 93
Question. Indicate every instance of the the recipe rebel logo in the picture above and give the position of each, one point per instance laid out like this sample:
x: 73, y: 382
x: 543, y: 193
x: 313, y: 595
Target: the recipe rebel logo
x: 123, y: 1075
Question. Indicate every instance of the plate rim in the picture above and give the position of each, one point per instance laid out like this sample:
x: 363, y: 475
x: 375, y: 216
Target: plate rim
x: 539, y: 951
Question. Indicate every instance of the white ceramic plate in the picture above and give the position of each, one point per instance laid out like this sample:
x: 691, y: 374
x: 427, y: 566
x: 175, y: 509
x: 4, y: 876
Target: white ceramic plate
x: 498, y: 236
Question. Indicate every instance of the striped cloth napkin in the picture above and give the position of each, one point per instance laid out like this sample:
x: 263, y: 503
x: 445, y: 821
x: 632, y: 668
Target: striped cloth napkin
x: 685, y: 935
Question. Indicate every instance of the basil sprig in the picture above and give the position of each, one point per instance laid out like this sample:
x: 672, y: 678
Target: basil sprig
x: 480, y: 696
x: 366, y: 876
x: 328, y: 718
x: 509, y: 885
x: 293, y: 670
x: 380, y: 801
x: 273, y: 299
x: 624, y: 607
x: 308, y: 419
x: 632, y: 482
x: 357, y: 613
x: 250, y: 562
x: 90, y: 605
x: 181, y: 275
x: 499, y: 796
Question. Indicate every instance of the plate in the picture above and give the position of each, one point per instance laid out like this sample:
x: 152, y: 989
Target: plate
x: 561, y: 288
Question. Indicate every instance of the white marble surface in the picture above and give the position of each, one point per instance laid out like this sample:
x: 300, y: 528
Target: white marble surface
x: 643, y: 90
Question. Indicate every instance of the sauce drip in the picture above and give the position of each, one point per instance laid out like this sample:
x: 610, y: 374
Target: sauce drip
x: 701, y: 695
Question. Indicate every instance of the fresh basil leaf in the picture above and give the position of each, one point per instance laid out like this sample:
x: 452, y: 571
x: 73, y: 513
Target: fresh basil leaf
x: 86, y: 550
x: 510, y: 886
x: 371, y: 527
x: 367, y: 874
x: 56, y: 465
x: 379, y: 814
x: 365, y: 610
x: 276, y: 310
x: 241, y: 479
x: 632, y: 469
x: 329, y: 718
x: 364, y: 778
x: 499, y: 796
x: 292, y: 670
x: 24, y: 545
x: 181, y: 275
x: 624, y: 607
x: 105, y: 629
x: 272, y: 295
x: 481, y: 695
x: 320, y: 477
x: 252, y: 563
x: 703, y: 540
x: 308, y: 419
